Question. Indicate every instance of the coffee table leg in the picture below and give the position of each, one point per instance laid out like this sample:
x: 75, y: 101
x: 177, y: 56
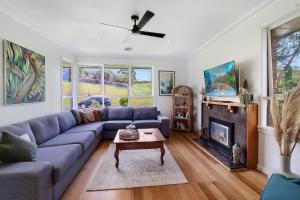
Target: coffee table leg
x: 117, y: 157
x: 162, y: 153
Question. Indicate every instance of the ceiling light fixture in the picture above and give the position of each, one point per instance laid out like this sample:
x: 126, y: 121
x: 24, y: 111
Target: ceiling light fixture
x: 128, y: 48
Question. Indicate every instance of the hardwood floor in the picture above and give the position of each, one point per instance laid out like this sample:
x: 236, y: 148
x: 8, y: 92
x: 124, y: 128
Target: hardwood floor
x: 207, y: 178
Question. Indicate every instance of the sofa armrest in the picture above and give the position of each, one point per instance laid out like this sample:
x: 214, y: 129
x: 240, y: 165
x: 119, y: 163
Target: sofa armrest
x: 165, y: 125
x: 25, y: 181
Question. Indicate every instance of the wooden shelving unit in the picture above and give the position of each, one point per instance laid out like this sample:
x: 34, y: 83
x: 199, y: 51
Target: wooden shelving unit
x: 182, y: 108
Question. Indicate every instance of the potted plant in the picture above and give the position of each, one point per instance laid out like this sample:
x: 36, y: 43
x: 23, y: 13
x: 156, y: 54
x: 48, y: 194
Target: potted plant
x: 245, y: 96
x: 286, y: 120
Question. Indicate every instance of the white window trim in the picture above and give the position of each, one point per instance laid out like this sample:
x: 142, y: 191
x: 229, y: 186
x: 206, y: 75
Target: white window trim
x: 73, y: 75
x: 102, y: 66
x: 267, y: 67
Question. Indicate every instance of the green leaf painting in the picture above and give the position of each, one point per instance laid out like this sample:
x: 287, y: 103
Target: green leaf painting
x: 24, y: 75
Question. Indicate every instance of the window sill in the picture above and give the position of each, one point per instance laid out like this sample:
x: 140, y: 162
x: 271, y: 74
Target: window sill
x: 266, y: 130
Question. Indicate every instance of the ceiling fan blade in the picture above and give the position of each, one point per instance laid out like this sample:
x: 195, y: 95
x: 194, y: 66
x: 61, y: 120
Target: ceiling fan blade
x: 147, y: 16
x: 159, y: 35
x: 115, y: 26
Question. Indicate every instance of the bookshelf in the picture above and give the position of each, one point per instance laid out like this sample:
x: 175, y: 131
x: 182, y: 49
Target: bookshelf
x: 182, y: 118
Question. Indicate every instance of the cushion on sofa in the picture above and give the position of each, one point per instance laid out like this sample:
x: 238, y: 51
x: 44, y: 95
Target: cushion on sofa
x: 95, y: 127
x: 104, y: 114
x: 144, y: 113
x: 61, y: 158
x: 77, y: 116
x: 279, y: 187
x: 14, y: 148
x: 119, y: 113
x: 66, y: 120
x: 147, y: 124
x: 116, y: 124
x: 44, y: 128
x: 85, y: 139
x: 19, y: 129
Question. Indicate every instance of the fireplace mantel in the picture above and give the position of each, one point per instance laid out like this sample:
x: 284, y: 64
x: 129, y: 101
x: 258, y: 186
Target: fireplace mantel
x: 245, y: 120
x: 231, y: 106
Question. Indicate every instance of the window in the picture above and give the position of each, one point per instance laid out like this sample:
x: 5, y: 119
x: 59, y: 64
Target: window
x: 89, y: 87
x: 285, y: 60
x: 114, y: 85
x: 141, y: 86
x: 67, y: 86
x: 116, y: 82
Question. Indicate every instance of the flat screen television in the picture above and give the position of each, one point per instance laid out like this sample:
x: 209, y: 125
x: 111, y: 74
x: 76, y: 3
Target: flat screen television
x: 221, y: 80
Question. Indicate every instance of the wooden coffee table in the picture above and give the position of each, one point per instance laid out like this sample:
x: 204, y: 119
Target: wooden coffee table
x: 145, y: 141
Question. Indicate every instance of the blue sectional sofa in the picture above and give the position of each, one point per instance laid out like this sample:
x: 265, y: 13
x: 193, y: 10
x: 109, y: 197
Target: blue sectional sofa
x: 64, y: 145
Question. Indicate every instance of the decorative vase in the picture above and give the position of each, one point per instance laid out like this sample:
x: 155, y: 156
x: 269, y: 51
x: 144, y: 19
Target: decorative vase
x: 285, y: 164
x: 236, y: 153
x: 285, y: 167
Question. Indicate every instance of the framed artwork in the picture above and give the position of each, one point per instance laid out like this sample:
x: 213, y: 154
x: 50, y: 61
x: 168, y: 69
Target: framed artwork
x: 166, y: 82
x: 24, y: 75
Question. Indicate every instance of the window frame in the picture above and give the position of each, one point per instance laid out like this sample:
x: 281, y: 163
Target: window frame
x: 77, y: 84
x: 73, y: 82
x: 266, y: 71
x: 102, y: 94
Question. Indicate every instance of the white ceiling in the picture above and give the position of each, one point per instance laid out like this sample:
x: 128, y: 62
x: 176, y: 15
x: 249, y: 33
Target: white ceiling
x: 74, y: 24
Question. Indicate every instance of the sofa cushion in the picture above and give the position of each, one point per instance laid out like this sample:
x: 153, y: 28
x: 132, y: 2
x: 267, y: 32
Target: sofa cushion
x: 44, y: 128
x: 119, y: 113
x: 103, y: 114
x: 66, y: 120
x: 77, y: 116
x: 143, y: 113
x: 85, y: 139
x: 14, y: 148
x: 87, y: 116
x: 61, y: 158
x: 19, y: 129
x: 116, y: 124
x: 147, y: 124
x: 95, y: 127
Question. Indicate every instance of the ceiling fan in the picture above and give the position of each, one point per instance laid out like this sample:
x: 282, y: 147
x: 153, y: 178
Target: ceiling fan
x: 136, y: 29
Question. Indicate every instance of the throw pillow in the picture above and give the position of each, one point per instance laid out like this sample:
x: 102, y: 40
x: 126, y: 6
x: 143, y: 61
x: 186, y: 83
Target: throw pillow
x: 97, y: 115
x: 15, y: 149
x: 87, y: 116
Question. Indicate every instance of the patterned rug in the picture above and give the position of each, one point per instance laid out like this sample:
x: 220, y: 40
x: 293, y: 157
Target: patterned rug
x: 137, y: 168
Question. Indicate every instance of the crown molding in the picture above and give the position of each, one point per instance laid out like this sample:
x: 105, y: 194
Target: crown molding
x: 236, y: 23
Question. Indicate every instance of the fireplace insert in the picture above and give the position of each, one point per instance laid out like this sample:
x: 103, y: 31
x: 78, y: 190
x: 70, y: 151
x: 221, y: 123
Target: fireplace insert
x: 221, y: 132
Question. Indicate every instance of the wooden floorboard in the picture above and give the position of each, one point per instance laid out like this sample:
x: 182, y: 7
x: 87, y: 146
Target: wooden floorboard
x: 207, y: 178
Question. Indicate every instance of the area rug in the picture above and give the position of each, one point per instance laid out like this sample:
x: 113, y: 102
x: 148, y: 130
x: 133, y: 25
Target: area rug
x: 137, y: 168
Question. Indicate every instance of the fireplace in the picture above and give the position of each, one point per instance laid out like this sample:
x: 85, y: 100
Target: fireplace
x: 221, y: 132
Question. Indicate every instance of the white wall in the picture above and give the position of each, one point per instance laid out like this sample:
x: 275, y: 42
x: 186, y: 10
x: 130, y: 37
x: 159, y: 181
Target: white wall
x: 164, y: 103
x: 13, y: 31
x: 243, y: 44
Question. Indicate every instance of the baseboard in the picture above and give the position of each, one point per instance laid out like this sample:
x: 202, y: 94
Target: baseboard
x: 262, y: 169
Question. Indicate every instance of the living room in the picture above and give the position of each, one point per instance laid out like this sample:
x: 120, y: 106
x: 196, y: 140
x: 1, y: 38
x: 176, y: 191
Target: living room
x: 95, y: 106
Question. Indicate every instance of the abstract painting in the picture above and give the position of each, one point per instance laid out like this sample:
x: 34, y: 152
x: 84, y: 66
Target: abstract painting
x: 166, y: 82
x: 24, y: 75
x: 221, y: 80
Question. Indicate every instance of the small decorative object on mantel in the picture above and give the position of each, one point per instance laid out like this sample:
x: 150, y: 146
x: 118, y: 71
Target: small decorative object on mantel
x: 236, y: 153
x: 286, y: 115
x: 245, y: 97
x: 130, y: 133
x: 203, y: 94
